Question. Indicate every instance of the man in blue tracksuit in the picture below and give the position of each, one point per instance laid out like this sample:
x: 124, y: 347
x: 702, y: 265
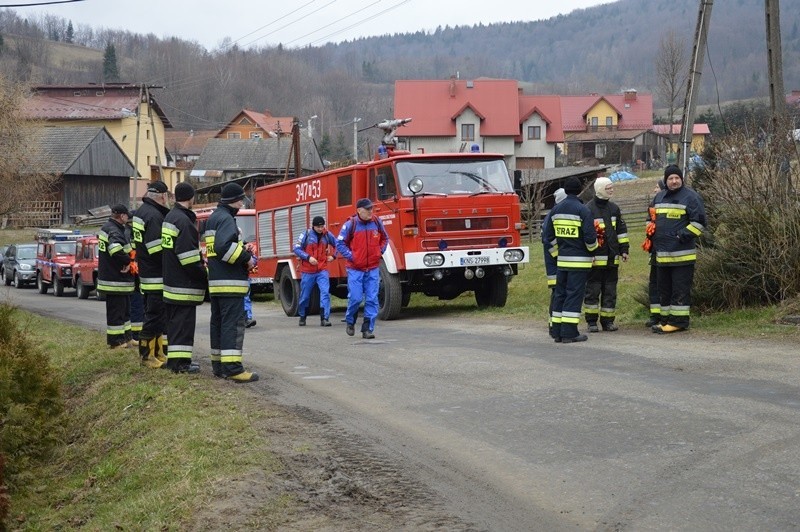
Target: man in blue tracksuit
x: 315, y: 248
x: 571, y: 225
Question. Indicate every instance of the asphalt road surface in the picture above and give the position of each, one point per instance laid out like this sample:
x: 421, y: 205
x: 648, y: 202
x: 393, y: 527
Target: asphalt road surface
x: 509, y: 431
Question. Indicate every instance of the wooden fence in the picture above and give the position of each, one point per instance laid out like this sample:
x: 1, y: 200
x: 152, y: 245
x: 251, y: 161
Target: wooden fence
x: 37, y: 213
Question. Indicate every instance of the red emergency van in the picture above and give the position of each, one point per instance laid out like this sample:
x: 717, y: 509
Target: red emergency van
x: 453, y: 221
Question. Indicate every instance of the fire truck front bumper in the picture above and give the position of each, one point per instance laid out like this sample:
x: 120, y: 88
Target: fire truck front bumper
x: 467, y: 258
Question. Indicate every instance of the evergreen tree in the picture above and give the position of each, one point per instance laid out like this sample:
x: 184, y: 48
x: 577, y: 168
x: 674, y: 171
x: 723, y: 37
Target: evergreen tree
x: 70, y: 37
x: 110, y: 70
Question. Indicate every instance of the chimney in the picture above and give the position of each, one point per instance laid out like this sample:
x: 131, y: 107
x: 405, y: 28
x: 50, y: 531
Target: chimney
x: 630, y: 95
x: 452, y: 86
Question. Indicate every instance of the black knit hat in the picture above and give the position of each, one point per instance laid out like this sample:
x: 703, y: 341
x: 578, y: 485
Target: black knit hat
x: 159, y: 187
x: 119, y: 208
x: 184, y: 192
x: 317, y: 221
x: 231, y: 193
x: 572, y: 186
x: 672, y: 169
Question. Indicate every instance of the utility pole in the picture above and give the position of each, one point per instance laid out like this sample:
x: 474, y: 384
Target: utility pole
x: 355, y: 138
x: 136, y: 147
x: 693, y: 83
x: 777, y: 97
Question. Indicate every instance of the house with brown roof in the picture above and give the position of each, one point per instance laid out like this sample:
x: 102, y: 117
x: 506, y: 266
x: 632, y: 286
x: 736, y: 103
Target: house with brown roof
x: 454, y: 115
x: 249, y: 124
x: 610, y: 129
x: 184, y: 147
x: 123, y: 109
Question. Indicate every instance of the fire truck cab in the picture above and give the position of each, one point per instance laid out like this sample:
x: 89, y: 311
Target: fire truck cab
x: 453, y: 221
x: 55, y: 259
x: 246, y: 221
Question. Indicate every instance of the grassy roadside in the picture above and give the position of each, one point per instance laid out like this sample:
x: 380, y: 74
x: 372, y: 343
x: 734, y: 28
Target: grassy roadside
x: 142, y: 449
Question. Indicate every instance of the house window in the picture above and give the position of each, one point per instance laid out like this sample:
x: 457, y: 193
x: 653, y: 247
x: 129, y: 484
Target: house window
x: 609, y: 121
x: 234, y: 135
x: 594, y: 121
x: 467, y: 131
x: 148, y: 160
x: 255, y: 135
x: 245, y: 122
x: 534, y: 132
x: 147, y: 134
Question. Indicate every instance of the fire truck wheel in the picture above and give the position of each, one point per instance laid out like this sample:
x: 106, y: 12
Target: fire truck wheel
x: 288, y: 292
x: 58, y: 286
x: 82, y: 289
x: 492, y: 292
x: 390, y: 295
x: 40, y: 284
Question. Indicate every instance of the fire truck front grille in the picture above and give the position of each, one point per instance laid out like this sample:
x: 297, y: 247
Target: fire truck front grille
x: 467, y: 243
x: 477, y: 223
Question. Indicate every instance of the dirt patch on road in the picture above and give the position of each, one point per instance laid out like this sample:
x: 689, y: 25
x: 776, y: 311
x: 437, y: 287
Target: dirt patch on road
x: 329, y: 481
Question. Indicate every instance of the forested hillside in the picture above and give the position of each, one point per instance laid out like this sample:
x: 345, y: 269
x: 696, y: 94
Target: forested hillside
x: 601, y: 49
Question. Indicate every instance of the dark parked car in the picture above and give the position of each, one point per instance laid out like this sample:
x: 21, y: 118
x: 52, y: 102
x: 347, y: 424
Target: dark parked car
x: 19, y: 265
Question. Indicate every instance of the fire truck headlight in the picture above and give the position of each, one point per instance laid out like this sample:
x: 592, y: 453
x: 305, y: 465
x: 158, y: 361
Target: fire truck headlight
x: 66, y: 271
x: 513, y: 255
x: 415, y: 185
x: 433, y: 259
x: 437, y: 275
x: 468, y: 274
x: 479, y: 273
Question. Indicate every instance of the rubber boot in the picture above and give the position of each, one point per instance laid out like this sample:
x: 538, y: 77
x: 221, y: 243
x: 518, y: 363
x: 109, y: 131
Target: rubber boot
x: 245, y: 376
x: 160, y: 347
x: 147, y: 350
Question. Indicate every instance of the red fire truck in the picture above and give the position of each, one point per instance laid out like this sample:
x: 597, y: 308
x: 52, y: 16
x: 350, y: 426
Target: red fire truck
x: 84, y: 273
x: 55, y: 259
x: 246, y: 220
x: 453, y: 221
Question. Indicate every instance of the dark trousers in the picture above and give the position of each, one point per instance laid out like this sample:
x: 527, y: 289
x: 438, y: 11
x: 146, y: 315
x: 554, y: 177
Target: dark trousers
x: 155, y: 315
x: 675, y: 289
x: 137, y: 314
x: 181, y: 320
x: 567, y: 302
x: 601, y: 295
x: 652, y: 292
x: 550, y: 312
x: 227, y: 334
x: 118, y: 319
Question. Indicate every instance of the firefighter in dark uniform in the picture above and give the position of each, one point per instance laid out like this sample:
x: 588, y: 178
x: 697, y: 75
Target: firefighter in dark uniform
x: 228, y: 265
x: 146, y: 231
x: 550, y: 263
x: 680, y: 219
x: 572, y: 226
x: 114, y: 278
x: 185, y: 279
x: 652, y: 284
x: 613, y: 246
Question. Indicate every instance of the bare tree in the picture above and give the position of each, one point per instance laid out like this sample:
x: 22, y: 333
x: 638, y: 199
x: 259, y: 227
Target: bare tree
x: 531, y: 202
x: 672, y: 70
x: 19, y: 178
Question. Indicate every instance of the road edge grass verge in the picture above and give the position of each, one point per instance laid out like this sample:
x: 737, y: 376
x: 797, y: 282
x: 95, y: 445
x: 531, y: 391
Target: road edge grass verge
x: 140, y: 449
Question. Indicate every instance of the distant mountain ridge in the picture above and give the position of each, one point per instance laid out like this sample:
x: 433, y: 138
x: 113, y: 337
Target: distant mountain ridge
x: 603, y: 49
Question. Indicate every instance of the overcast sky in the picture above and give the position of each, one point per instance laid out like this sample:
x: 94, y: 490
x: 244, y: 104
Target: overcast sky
x: 296, y: 23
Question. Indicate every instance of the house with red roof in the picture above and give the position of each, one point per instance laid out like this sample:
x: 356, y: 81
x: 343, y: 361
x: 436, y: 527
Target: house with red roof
x: 249, y: 124
x: 134, y: 121
x: 610, y: 129
x: 455, y: 115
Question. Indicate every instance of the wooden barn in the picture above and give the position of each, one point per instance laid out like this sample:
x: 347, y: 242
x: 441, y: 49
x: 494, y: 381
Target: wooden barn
x: 91, y: 167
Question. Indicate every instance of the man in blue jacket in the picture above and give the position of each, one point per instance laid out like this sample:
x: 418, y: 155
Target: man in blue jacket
x: 315, y: 248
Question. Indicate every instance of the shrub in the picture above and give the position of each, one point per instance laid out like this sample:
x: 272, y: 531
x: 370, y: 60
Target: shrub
x: 754, y: 251
x: 30, y: 401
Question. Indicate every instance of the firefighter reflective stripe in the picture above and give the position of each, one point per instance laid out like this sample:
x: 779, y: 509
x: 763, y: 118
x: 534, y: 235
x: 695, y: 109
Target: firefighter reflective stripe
x: 567, y: 225
x: 606, y: 312
x: 695, y: 228
x: 189, y: 257
x: 137, y: 228
x: 655, y: 308
x: 671, y: 210
x: 601, y: 260
x: 672, y: 257
x: 116, y: 330
x: 179, y: 351
x: 553, y: 249
x: 233, y: 252
x: 175, y: 293
x: 591, y: 309
x: 209, y: 237
x: 151, y: 284
x: 226, y: 356
x: 551, y: 280
x: 228, y: 286
x: 118, y: 287
x: 555, y: 317
x: 570, y: 317
x: 136, y: 326
x: 574, y: 262
x: 154, y: 246
x: 169, y: 232
x: 215, y: 355
x: 682, y: 310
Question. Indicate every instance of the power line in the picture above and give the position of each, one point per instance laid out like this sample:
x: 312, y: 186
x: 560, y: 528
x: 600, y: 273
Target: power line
x: 32, y: 4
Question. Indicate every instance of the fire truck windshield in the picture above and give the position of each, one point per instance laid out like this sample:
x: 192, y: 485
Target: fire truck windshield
x: 453, y: 176
x: 248, y: 226
x: 65, y: 248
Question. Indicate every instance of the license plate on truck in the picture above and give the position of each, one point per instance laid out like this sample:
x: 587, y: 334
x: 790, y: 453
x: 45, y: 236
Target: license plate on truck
x: 472, y: 261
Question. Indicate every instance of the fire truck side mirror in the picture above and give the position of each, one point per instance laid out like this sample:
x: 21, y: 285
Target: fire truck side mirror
x: 517, y: 181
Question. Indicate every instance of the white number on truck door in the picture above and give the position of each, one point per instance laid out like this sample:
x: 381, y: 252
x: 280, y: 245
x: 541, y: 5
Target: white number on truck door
x: 309, y: 190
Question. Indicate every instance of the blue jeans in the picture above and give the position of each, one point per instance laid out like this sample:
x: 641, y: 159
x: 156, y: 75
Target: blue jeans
x: 307, y: 282
x: 362, y: 286
x: 248, y: 303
